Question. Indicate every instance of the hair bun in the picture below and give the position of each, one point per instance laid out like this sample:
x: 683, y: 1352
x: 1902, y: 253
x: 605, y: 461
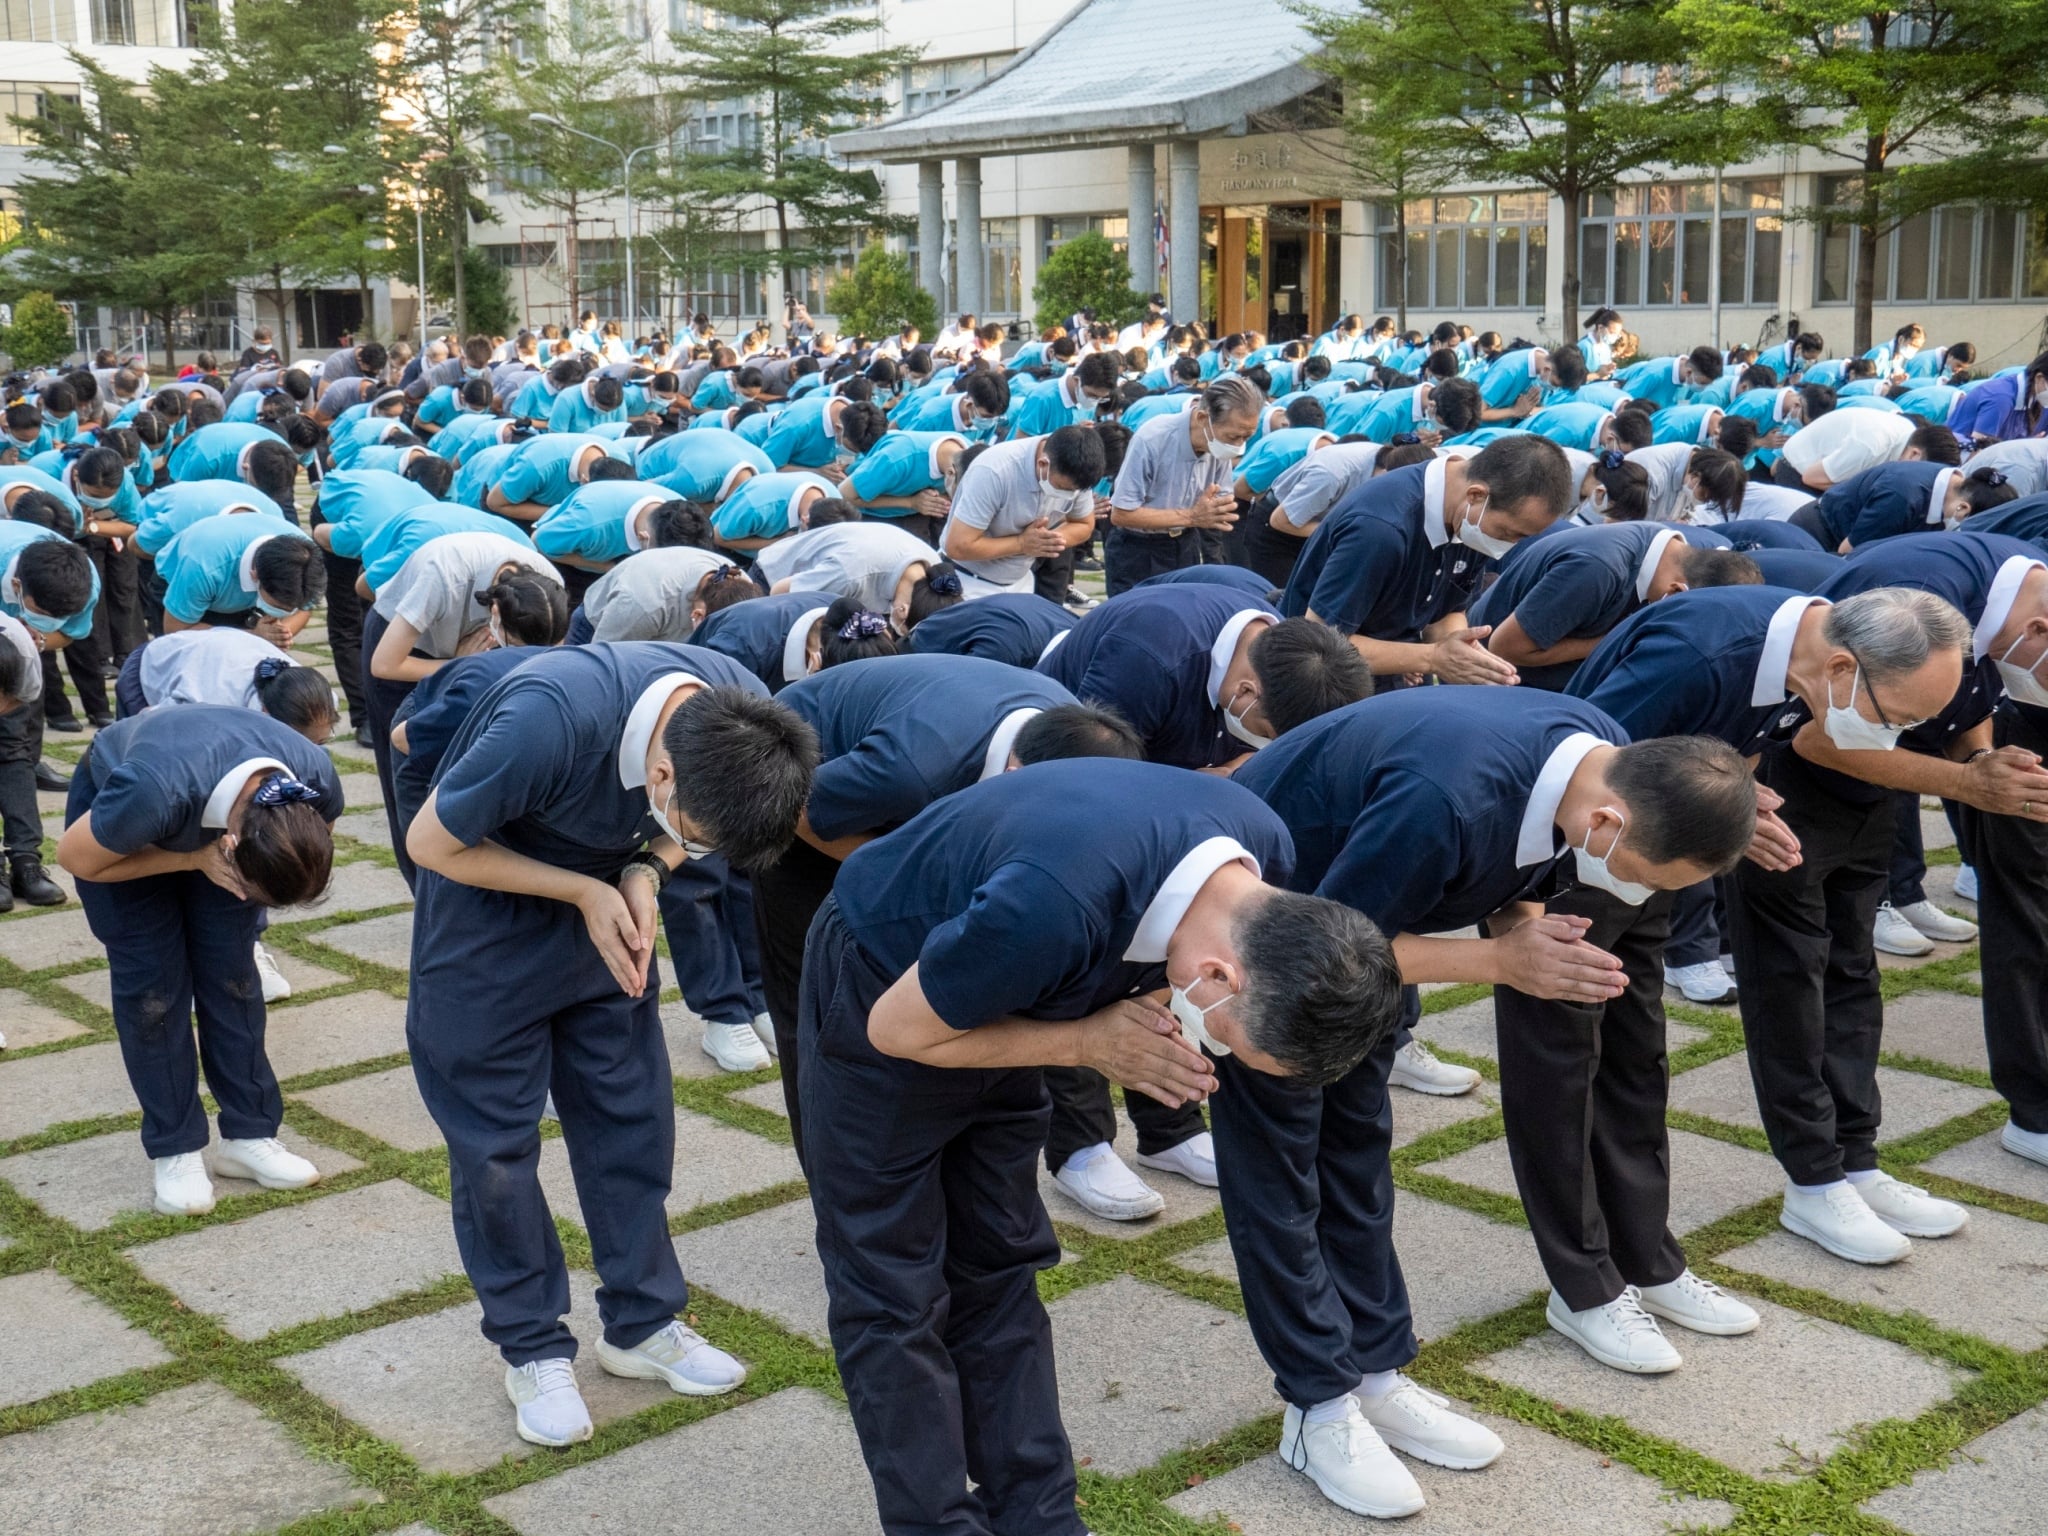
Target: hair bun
x: 945, y: 582
x: 1612, y: 458
x: 271, y: 668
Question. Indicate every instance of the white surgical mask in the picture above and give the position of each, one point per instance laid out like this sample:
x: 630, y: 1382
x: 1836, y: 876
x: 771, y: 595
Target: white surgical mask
x: 2023, y: 684
x: 1225, y: 451
x: 1594, y: 870
x: 1194, y: 1021
x: 691, y: 846
x: 1233, y: 722
x: 1850, y: 731
x: 1473, y: 536
x: 2041, y: 392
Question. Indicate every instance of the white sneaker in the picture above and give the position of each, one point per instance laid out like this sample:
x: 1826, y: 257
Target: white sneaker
x: 1350, y: 1463
x: 264, y: 1159
x: 1416, y: 1068
x: 1620, y: 1334
x: 1937, y: 924
x: 182, y: 1187
x: 764, y: 1026
x: 679, y: 1356
x: 1702, y: 983
x: 735, y: 1047
x: 1194, y: 1160
x: 1838, y: 1219
x: 551, y: 1410
x: 1895, y: 936
x: 2032, y: 1145
x: 1966, y: 882
x: 1909, y: 1209
x: 1698, y: 1305
x: 1413, y: 1419
x: 1096, y: 1179
x: 275, y: 988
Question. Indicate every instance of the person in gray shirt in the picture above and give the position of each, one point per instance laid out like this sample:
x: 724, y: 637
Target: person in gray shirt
x: 1018, y: 502
x: 652, y: 595
x: 1173, y: 500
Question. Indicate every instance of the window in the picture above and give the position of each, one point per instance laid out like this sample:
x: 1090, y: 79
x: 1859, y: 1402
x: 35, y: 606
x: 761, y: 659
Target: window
x: 1483, y: 251
x: 510, y: 255
x: 1113, y: 227
x: 1957, y: 254
x: 689, y: 16
x: 927, y: 85
x: 22, y: 99
x: 720, y: 129
x: 813, y: 283
x: 508, y: 172
x: 150, y: 23
x: 1654, y: 245
x: 1002, y: 252
x: 39, y: 21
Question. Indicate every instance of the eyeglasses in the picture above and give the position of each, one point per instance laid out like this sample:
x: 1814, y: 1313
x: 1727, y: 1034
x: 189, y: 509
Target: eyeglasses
x: 1883, y: 719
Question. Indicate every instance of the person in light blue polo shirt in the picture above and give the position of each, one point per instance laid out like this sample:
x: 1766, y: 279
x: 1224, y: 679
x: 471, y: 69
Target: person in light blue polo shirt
x: 905, y: 474
x: 250, y: 570
x: 602, y: 523
x: 445, y: 404
x: 815, y: 433
x: 354, y: 501
x: 767, y: 507
x: 545, y: 469
x: 470, y: 433
x: 704, y: 467
x: 1668, y: 381
x: 177, y: 507
x: 598, y: 399
x: 46, y: 582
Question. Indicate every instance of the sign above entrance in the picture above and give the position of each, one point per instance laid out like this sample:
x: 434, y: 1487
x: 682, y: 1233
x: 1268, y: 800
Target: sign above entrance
x: 1260, y: 168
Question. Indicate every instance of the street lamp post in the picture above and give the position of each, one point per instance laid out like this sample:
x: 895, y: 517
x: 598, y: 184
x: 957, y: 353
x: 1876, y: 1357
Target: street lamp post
x: 549, y: 120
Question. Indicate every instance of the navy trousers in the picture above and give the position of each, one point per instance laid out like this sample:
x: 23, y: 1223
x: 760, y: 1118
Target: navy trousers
x: 383, y: 698
x: 129, y: 699
x: 932, y: 1235
x: 787, y: 895
x: 707, y: 912
x: 581, y: 630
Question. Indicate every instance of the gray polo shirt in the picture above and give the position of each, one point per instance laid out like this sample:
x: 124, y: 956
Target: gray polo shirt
x: 1162, y: 469
x: 1308, y: 489
x: 863, y: 560
x: 999, y: 494
x: 435, y: 590
x: 338, y: 397
x: 647, y: 596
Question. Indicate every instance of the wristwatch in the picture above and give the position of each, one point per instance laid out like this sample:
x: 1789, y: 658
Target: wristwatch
x: 652, y: 864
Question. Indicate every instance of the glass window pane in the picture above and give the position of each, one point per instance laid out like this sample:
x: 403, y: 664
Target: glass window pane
x: 1699, y: 197
x: 1696, y: 271
x: 1836, y: 270
x: 1592, y: 264
x: 1765, y: 194
x: 1478, y: 249
x: 1628, y: 199
x: 1952, y: 270
x: 1447, y: 262
x: 1663, y: 243
x: 2001, y: 232
x: 1418, y: 269
x: 2035, y: 277
x: 1914, y: 240
x: 1734, y: 261
x: 1601, y: 205
x: 1507, y: 266
x: 1765, y: 254
x: 1535, y: 286
x: 1450, y: 210
x: 1664, y: 197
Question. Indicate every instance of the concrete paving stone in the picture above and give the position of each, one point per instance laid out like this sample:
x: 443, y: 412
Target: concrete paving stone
x: 80, y: 1084
x: 1887, y: 962
x: 1940, y: 1026
x: 1994, y: 1486
x: 1185, y: 1199
x: 1709, y: 1178
x: 90, y: 1183
x: 766, y: 1096
x: 767, y: 1263
x: 55, y: 1336
x: 787, y: 1463
x: 365, y: 827
x: 713, y: 1161
x: 1470, y: 1029
x: 54, y: 936
x: 51, y: 802
x: 1935, y: 832
x: 195, y: 1462
x: 1721, y: 1090
x: 98, y: 986
x: 1985, y: 1280
x: 334, y: 1032
x: 1459, y: 1266
x: 1540, y: 1484
x: 356, y: 887
x: 385, y: 1105
x: 1144, y: 1372
x: 434, y: 1385
x: 1772, y: 1403
x: 1940, y: 883
x: 1418, y: 1114
x: 361, y: 791
x: 26, y: 1022
x: 1984, y: 1161
x: 318, y: 1259
x: 383, y: 940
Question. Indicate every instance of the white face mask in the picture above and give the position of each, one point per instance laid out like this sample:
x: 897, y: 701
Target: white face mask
x: 1233, y: 722
x: 1850, y: 731
x: 498, y: 640
x: 1594, y: 870
x: 2041, y: 393
x: 2023, y: 684
x: 1225, y: 451
x: 1193, y: 1021
x: 1473, y: 536
x: 691, y: 846
x: 1053, y: 503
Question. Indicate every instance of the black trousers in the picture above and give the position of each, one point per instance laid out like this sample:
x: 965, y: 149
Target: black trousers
x: 1053, y: 578
x: 117, y: 624
x: 21, y: 745
x: 1083, y: 1115
x: 1269, y: 553
x: 787, y: 895
x: 2010, y: 856
x: 1697, y: 923
x: 1129, y: 556
x: 345, y: 631
x: 1811, y: 1012
x: 383, y: 697
x: 1308, y: 1192
x: 1583, y: 1090
x: 932, y: 1235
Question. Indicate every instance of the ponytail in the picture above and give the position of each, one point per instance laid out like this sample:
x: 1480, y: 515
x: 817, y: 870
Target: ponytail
x: 532, y: 609
x: 853, y: 633
x: 1721, y: 479
x: 295, y: 696
x: 939, y: 587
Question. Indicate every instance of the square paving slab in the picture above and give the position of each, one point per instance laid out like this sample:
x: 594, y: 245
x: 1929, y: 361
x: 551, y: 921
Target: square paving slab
x: 80, y: 1084
x: 361, y: 791
x: 766, y: 1262
x: 1984, y: 1161
x: 1913, y: 1102
x: 356, y: 887
x: 1418, y: 1114
x: 1185, y: 1199
x: 713, y: 1162
x: 55, y: 1336
x: 334, y: 1032
x: 1940, y: 1026
x: 90, y: 1183
x: 787, y: 1465
x: 1773, y: 1403
x: 766, y: 1096
x: 365, y: 827
x: 45, y: 939
x: 1470, y: 1029
x: 1995, y: 1486
x: 26, y: 1022
x: 385, y: 1105
x: 336, y: 1254
x: 385, y: 941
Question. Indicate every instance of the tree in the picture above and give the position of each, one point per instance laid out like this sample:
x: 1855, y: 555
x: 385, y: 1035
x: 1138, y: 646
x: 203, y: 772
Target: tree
x: 881, y: 296
x: 1085, y: 273
x: 40, y: 333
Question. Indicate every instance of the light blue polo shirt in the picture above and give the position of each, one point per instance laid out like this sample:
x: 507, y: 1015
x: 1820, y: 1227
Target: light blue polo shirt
x: 206, y: 567
x: 177, y: 507
x: 764, y: 507
x: 14, y: 538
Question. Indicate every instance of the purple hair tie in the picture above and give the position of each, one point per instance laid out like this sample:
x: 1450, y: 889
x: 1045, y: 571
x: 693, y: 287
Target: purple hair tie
x: 864, y: 626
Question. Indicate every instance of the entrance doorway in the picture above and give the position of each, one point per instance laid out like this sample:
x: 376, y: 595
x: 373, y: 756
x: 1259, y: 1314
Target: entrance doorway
x: 1277, y: 268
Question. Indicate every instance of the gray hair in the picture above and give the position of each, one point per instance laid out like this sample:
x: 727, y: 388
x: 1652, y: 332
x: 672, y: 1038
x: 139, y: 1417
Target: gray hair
x: 1231, y: 397
x: 1893, y: 631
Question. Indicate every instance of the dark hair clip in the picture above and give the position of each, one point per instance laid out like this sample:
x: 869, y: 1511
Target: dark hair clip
x: 1612, y: 458
x: 945, y: 584
x: 283, y: 789
x: 1405, y: 440
x: 1993, y: 477
x: 271, y: 668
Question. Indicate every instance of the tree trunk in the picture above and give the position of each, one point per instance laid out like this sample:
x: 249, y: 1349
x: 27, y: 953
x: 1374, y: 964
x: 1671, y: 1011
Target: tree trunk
x: 170, y: 347
x: 1866, y: 243
x: 1568, y: 267
x: 458, y: 229
x: 1401, y: 263
x: 284, y: 324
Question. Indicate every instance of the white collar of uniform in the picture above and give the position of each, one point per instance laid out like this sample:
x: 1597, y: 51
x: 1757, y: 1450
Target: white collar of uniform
x: 1937, y: 495
x: 1782, y: 406
x: 222, y: 800
x: 633, y: 517
x: 1070, y: 388
x: 588, y: 384
x: 1177, y: 893
x: 1769, y: 687
x: 960, y: 403
x: 2005, y: 590
x: 1647, y: 571
x: 1678, y: 370
x: 997, y: 758
x: 932, y: 464
x: 1418, y: 404
x: 10, y: 584
x: 1433, y: 527
x: 1054, y: 643
x: 639, y: 731
x: 1226, y: 647
x: 247, y: 570
x: 242, y: 459
x: 731, y: 481
x: 1537, y: 842
x: 796, y: 642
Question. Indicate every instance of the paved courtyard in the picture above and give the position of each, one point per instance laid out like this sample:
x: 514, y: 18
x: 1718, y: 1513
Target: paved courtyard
x: 310, y: 1362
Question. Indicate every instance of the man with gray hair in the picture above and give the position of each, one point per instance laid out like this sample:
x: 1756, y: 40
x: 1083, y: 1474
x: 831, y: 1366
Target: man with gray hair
x: 1173, y: 500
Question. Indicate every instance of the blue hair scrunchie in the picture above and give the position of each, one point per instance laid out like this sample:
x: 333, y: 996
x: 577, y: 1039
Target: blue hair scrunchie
x: 1405, y: 440
x: 1991, y: 477
x: 270, y: 668
x: 944, y: 584
x: 864, y: 626
x: 283, y: 789
x: 1612, y: 458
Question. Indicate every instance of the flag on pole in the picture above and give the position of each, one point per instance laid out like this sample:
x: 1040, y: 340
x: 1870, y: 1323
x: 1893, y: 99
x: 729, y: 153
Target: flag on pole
x: 1162, y: 246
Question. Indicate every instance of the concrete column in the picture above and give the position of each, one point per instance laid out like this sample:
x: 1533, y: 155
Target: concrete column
x: 931, y: 229
x: 1144, y: 197
x: 968, y: 260
x: 1184, y: 228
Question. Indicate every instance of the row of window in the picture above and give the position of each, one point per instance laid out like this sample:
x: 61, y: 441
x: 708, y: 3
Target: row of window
x: 1954, y: 255
x: 20, y: 98
x: 116, y: 23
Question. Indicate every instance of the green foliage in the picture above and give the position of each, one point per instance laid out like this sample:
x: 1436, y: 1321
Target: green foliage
x: 1085, y: 273
x: 40, y: 334
x: 486, y: 292
x: 881, y: 296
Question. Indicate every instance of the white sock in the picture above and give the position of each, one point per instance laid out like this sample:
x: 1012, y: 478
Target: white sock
x: 1335, y: 1411
x: 1819, y: 1189
x: 1081, y: 1159
x: 1374, y: 1385
x: 1863, y: 1175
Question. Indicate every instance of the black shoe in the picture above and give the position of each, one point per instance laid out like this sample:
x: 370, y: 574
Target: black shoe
x: 366, y: 736
x: 110, y: 668
x: 35, y: 887
x: 99, y: 720
x: 49, y: 778
x: 70, y: 725
x: 1087, y: 563
x: 6, y: 899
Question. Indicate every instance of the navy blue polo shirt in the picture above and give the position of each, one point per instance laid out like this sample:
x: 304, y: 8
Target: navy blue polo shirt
x: 440, y: 702
x: 762, y: 633
x: 153, y: 773
x: 1235, y: 577
x: 1748, y: 533
x: 1148, y: 655
x: 1024, y: 895
x: 1800, y: 570
x: 2026, y: 519
x: 1408, y: 806
x: 1371, y: 569
x: 897, y: 732
x: 1013, y: 627
x: 1881, y: 502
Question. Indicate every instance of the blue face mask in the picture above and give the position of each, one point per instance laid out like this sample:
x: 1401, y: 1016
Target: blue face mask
x: 48, y: 623
x: 97, y: 503
x: 271, y: 609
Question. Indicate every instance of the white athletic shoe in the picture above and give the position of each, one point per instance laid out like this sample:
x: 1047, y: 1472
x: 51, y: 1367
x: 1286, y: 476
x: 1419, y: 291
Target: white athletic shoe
x: 1620, y: 1334
x: 1698, y: 1305
x: 1096, y: 1179
x: 1909, y: 1209
x: 1838, y: 1219
x: 551, y: 1410
x: 2032, y: 1145
x: 764, y: 1026
x: 182, y: 1187
x: 1966, y: 882
x: 1194, y: 1160
x: 275, y: 988
x: 1416, y: 1068
x: 1702, y: 983
x: 1937, y: 924
x: 735, y: 1047
x: 1350, y: 1463
x: 679, y: 1356
x: 1893, y: 934
x: 1412, y: 1419
x: 264, y: 1159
